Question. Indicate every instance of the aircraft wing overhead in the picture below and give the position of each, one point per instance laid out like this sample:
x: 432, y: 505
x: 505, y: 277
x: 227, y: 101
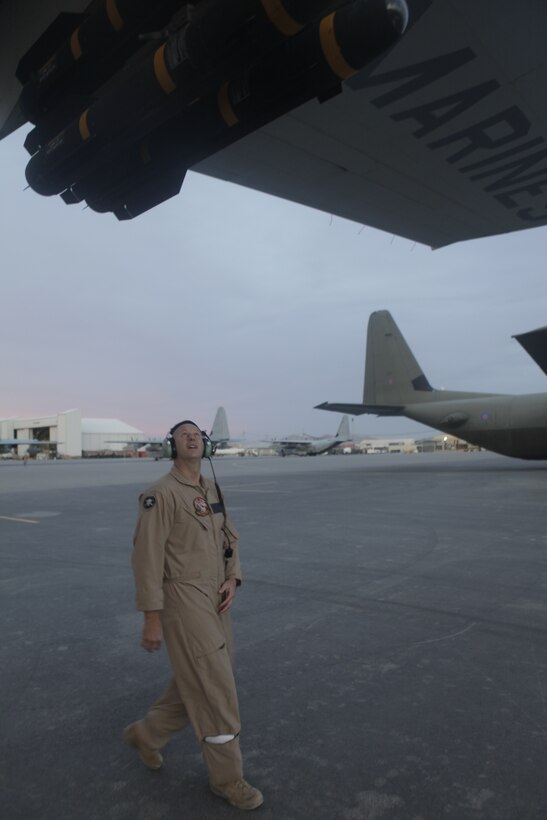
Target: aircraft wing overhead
x: 444, y: 140
x: 535, y: 344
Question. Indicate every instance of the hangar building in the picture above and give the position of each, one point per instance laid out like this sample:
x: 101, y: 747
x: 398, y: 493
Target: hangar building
x: 74, y: 436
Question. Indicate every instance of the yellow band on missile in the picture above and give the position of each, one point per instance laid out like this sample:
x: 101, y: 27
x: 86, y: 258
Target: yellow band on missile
x: 160, y: 70
x: 331, y: 49
x: 75, y: 46
x: 116, y: 20
x: 85, y: 133
x: 225, y: 106
x: 280, y: 18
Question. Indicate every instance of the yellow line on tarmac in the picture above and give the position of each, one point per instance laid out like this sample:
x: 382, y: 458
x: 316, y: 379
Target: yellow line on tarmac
x: 22, y: 520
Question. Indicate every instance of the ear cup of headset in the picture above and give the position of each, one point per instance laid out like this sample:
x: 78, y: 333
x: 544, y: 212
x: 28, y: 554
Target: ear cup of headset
x: 208, y: 446
x: 168, y: 447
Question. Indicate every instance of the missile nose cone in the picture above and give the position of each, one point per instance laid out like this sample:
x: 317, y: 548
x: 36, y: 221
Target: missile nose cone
x: 398, y: 14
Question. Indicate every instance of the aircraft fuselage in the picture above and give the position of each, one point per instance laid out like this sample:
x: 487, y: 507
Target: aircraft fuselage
x: 510, y: 425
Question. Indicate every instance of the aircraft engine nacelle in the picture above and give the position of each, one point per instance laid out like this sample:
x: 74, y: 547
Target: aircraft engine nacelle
x: 217, y: 73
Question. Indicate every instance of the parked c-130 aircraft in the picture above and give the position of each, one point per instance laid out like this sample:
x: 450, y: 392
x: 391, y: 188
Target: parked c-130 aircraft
x: 395, y: 385
x: 424, y: 118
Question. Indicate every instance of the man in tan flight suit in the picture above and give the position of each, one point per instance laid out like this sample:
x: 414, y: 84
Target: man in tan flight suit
x: 186, y: 568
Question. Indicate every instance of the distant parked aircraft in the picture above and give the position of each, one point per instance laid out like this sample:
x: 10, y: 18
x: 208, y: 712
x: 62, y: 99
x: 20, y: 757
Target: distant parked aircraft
x: 8, y: 445
x: 282, y: 446
x: 314, y: 446
x: 220, y: 435
x: 395, y: 385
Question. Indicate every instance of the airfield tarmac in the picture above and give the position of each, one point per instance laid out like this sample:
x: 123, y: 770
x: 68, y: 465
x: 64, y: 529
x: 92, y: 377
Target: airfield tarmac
x: 390, y: 632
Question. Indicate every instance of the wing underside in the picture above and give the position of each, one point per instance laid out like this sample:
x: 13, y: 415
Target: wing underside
x: 442, y: 140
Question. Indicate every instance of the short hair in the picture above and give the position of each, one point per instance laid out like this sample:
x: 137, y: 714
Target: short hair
x: 180, y: 423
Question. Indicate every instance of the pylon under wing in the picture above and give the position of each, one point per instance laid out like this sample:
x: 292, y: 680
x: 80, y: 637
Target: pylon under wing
x: 440, y: 138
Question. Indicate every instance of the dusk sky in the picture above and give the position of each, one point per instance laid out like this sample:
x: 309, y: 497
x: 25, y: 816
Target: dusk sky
x: 223, y: 296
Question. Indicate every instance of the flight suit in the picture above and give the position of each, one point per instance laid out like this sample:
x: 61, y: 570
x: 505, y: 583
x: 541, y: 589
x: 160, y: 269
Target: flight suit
x: 179, y: 564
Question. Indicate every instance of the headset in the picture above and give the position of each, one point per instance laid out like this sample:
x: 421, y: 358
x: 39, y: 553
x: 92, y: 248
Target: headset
x: 170, y: 448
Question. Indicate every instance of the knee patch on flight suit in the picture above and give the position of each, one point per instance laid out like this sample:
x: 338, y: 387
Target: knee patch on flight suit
x: 218, y: 739
x: 223, y: 760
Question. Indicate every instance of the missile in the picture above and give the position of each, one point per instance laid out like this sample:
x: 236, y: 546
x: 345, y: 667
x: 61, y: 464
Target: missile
x: 154, y: 169
x: 201, y: 42
x: 186, y: 99
x: 221, y: 36
x: 101, y: 40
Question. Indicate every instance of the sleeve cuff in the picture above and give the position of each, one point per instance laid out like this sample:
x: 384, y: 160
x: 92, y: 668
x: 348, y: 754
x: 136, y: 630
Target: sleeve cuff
x: 148, y: 603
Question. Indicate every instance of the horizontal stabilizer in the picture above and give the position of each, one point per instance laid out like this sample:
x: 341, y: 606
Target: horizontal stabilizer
x: 360, y: 409
x: 535, y: 344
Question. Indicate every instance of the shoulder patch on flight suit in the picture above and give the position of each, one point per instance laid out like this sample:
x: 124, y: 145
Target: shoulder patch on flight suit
x: 149, y: 502
x: 200, y: 505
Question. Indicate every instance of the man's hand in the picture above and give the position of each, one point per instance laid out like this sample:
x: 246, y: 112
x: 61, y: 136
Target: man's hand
x: 152, y: 633
x: 227, y: 592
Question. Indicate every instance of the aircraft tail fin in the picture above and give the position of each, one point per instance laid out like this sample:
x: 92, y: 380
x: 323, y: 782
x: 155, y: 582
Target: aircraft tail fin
x: 392, y: 375
x: 343, y: 430
x: 219, y: 430
x: 393, y: 378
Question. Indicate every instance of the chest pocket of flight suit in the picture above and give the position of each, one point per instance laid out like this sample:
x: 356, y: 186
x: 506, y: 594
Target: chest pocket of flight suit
x: 188, y: 541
